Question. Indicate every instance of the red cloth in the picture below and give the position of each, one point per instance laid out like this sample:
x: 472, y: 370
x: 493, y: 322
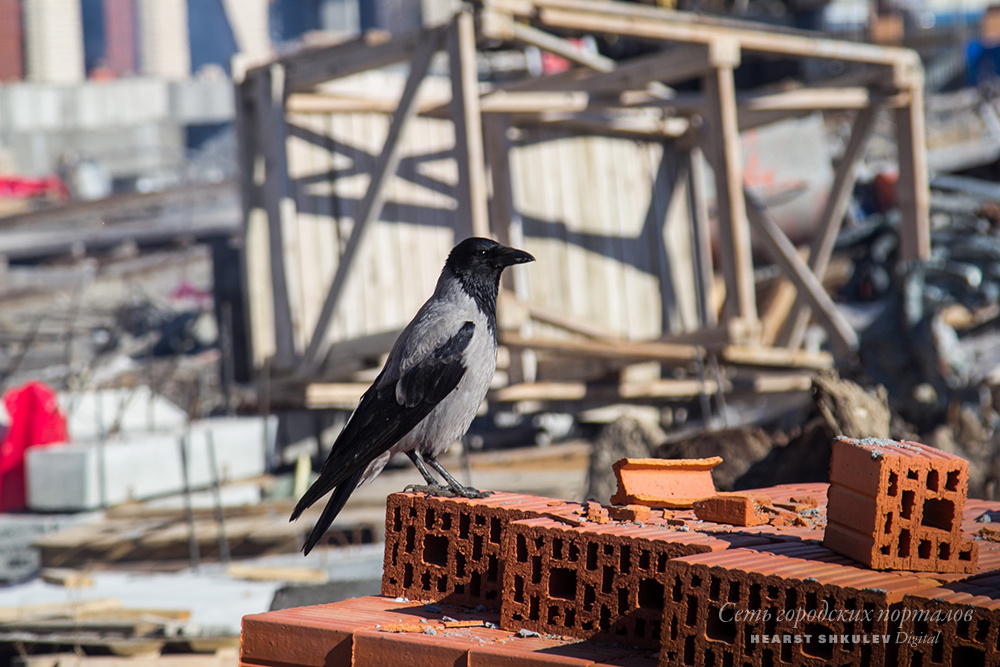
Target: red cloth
x: 35, y: 420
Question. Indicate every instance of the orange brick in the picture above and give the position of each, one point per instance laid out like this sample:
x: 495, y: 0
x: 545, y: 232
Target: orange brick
x: 664, y: 482
x: 738, y: 509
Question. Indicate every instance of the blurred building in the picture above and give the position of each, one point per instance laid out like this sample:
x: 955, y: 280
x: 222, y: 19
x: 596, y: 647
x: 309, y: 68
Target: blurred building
x: 53, y: 41
x: 11, y: 41
x: 120, y: 55
x: 164, y: 44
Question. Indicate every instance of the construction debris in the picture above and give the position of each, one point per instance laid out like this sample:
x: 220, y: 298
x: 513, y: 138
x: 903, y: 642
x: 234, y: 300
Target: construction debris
x: 664, y: 482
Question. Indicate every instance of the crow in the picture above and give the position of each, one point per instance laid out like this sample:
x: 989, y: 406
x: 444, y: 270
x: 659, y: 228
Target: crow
x: 429, y: 390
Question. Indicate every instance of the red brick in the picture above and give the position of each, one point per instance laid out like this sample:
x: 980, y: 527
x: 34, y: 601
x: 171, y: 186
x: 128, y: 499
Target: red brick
x: 664, y: 482
x: 738, y: 509
x: 595, y: 582
x: 630, y: 513
x: 374, y: 647
x: 898, y: 505
x: 962, y: 620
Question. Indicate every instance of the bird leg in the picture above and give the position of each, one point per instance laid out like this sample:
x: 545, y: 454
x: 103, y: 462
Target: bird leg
x: 433, y: 486
x: 456, y: 486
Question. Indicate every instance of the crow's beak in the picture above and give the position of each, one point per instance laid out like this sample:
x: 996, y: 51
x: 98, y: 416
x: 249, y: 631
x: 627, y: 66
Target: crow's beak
x: 511, y: 256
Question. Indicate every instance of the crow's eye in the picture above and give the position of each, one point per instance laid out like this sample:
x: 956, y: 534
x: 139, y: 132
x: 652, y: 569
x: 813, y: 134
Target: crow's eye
x: 482, y: 253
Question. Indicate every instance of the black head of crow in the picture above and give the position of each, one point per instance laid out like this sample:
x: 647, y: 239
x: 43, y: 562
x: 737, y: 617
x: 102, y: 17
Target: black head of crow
x: 431, y: 386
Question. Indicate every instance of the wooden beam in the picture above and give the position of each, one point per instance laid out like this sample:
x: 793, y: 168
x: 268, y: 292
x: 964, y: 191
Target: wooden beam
x: 677, y: 65
x: 370, y: 207
x: 279, y: 202
x: 311, y: 67
x: 783, y: 252
x: 912, y: 188
x: 702, y: 239
x: 465, y: 115
x: 727, y: 162
x: 831, y: 220
x: 545, y: 41
x: 775, y: 357
x: 618, y: 350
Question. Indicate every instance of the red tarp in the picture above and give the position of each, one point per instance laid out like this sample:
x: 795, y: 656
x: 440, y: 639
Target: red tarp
x: 35, y: 419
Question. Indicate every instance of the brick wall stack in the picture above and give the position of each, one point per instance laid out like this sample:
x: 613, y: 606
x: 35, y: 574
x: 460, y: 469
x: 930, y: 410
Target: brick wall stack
x: 898, y: 506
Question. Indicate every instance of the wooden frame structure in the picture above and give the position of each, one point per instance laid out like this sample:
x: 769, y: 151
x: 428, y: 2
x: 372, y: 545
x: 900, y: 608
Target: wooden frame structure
x: 631, y: 98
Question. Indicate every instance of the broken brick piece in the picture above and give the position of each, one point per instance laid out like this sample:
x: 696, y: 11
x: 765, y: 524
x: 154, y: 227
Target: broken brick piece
x: 737, y: 509
x: 898, y: 505
x: 664, y: 482
x: 630, y: 513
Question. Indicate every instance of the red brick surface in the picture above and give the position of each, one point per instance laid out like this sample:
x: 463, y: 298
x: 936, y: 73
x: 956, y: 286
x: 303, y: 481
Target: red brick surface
x: 449, y: 548
x: 664, y: 482
x: 596, y: 582
x: 898, y: 505
x: 738, y: 509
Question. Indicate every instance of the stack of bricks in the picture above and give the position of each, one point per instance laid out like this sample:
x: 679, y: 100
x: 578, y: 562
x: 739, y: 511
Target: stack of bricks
x: 898, y: 506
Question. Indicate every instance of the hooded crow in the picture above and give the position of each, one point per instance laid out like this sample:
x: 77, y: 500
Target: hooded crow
x: 430, y: 388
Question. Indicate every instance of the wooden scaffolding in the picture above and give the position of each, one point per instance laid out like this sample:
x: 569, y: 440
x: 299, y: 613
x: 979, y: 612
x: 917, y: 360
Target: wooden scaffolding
x: 640, y: 100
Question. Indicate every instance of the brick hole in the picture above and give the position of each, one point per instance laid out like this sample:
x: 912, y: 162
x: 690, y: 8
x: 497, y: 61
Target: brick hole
x: 982, y: 630
x: 916, y: 660
x: 906, y: 510
x: 771, y: 622
x: 714, y: 588
x: 477, y: 547
x: 692, y: 611
x: 587, y: 625
x: 920, y: 626
x: 557, y: 547
x: 866, y: 655
x: 753, y: 597
x: 397, y: 520
x: 786, y: 653
x: 932, y: 480
x: 727, y: 660
x: 678, y: 591
x: 413, y: 511
x: 966, y: 555
x: 480, y: 520
x: 517, y: 616
x: 962, y: 628
x: 885, y: 550
x: 709, y: 659
x: 570, y: 619
x: 734, y: 591
x: 463, y: 526
x: 815, y: 649
x: 791, y: 600
x: 811, y: 600
x: 893, y: 487
x: 644, y: 559
x: 395, y: 555
x: 607, y: 579
x: 533, y: 611
x: 429, y: 518
x: 888, y: 523
x: 912, y: 474
x: 903, y: 548
x: 624, y: 558
x: 967, y: 656
x: 518, y: 588
x: 651, y: 594
x: 411, y: 538
x: 459, y: 565
x: 407, y: 575
x: 443, y: 584
x: 767, y: 658
x: 869, y: 616
x: 772, y: 592
x: 938, y: 513
x: 718, y: 629
x: 623, y: 605
x: 574, y: 553
x: 425, y: 580
x: 436, y: 550
x: 674, y: 627
x: 592, y: 556
x: 521, y: 549
x: 475, y: 584
x: 609, y: 550
x: 562, y: 583
x: 937, y: 655
x: 661, y: 563
x: 604, y: 620
x: 621, y: 630
x: 689, y: 650
x: 446, y: 521
x: 496, y: 529
x: 951, y: 481
x: 944, y: 551
x: 589, y: 597
x: 492, y: 568
x: 553, y: 615
x: 695, y: 581
x: 640, y: 627
x: 536, y: 569
x: 460, y: 589
x: 924, y: 550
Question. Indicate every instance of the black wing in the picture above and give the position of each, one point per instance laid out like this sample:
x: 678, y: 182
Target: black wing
x: 383, y: 416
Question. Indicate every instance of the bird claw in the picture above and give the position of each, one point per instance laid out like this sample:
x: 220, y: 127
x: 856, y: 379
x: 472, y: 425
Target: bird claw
x: 469, y: 492
x: 433, y: 490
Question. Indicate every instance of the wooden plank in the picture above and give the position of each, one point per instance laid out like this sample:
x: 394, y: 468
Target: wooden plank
x: 702, y: 239
x: 57, y: 609
x: 278, y: 203
x: 913, y: 189
x: 371, y: 206
x: 465, y: 114
x: 674, y: 66
x: 775, y: 357
x: 334, y: 394
x: 830, y: 223
x: 525, y: 34
x: 783, y: 252
x: 372, y: 50
x: 619, y: 350
x: 296, y: 575
x: 725, y: 157
x: 67, y: 578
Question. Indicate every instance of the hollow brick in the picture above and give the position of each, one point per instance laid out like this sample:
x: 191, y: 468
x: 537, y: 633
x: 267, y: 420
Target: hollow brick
x: 664, y: 482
